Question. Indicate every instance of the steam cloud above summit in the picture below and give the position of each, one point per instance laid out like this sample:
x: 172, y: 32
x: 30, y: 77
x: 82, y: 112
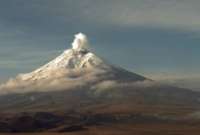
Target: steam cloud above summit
x: 80, y: 42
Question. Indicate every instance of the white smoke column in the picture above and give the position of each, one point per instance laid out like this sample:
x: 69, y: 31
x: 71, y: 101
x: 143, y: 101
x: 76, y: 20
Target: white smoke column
x: 80, y: 42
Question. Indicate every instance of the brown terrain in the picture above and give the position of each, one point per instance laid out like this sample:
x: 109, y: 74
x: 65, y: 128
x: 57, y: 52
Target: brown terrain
x: 104, y: 120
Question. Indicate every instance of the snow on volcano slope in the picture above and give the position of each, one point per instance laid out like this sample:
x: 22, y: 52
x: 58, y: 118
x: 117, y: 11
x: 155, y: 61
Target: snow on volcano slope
x: 77, y: 58
x: 75, y: 67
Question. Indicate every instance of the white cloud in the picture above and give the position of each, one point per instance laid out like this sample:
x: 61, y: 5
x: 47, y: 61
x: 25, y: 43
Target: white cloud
x: 68, y: 80
x: 80, y: 42
x: 110, y: 84
x: 57, y: 80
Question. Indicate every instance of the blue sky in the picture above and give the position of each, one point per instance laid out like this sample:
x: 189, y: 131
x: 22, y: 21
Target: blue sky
x: 156, y: 38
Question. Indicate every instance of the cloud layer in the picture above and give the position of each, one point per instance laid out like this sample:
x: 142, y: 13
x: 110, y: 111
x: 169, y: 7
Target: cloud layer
x: 96, y: 80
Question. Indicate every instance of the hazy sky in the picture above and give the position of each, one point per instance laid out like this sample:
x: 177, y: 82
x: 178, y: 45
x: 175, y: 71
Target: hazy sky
x: 156, y: 38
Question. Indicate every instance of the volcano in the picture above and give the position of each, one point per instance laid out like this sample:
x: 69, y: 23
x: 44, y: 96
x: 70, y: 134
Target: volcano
x: 79, y: 82
x: 75, y: 67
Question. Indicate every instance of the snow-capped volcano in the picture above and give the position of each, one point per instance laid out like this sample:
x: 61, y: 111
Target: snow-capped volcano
x: 76, y: 58
x: 78, y: 77
x: 87, y: 91
x: 75, y: 67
